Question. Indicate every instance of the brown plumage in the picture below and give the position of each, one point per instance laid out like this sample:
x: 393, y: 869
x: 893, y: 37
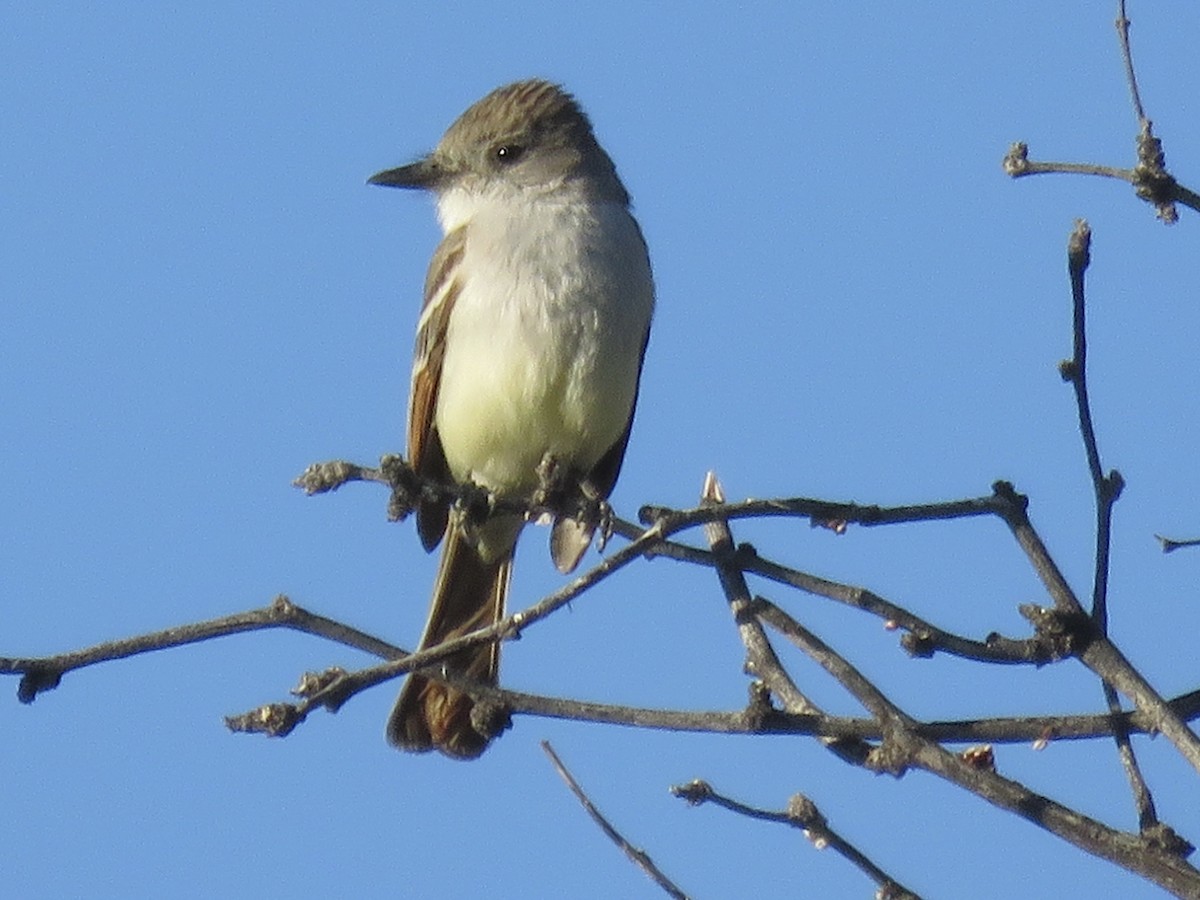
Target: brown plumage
x: 468, y: 594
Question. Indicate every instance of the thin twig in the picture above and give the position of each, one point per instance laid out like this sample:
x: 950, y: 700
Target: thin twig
x: 1143, y: 799
x: 1151, y: 183
x: 1017, y: 164
x: 1105, y: 488
x: 761, y: 661
x: 1078, y: 258
x: 639, y: 857
x: 1122, y: 24
x: 1170, y: 545
x: 44, y: 673
x: 801, y: 813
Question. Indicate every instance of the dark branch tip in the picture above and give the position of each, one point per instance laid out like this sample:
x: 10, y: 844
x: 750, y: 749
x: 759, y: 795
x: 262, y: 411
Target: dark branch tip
x: 1170, y: 545
x: 802, y: 811
x: 273, y: 720
x: 319, y: 478
x: 1079, y: 245
x: 694, y: 792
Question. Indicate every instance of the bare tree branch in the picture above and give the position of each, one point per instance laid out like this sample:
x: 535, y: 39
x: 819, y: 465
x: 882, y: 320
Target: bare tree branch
x: 1149, y: 176
x: 640, y: 858
x: 1151, y: 182
x: 1122, y: 24
x: 1107, y: 488
x: 45, y: 673
x: 761, y: 660
x: 1157, y: 856
x: 801, y: 813
x: 1036, y: 730
x: 905, y: 742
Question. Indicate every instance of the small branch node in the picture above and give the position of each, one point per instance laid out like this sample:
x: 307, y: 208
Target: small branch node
x: 1016, y: 160
x: 802, y: 812
x: 282, y: 608
x: 312, y: 683
x: 35, y: 681
x: 1151, y: 180
x: 1004, y: 490
x: 890, y: 757
x: 1114, y: 485
x: 918, y: 644
x: 1164, y: 837
x: 836, y: 525
x: 759, y: 707
x: 490, y: 717
x: 1064, y: 633
x: 980, y: 757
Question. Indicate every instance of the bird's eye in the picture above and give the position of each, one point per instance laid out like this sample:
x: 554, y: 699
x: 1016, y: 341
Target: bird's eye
x: 508, y: 153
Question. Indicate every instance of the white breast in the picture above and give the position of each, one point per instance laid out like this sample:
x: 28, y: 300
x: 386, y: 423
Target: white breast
x: 544, y: 342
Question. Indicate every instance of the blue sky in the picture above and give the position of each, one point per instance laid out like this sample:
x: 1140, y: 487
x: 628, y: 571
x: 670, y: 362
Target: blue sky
x: 202, y: 296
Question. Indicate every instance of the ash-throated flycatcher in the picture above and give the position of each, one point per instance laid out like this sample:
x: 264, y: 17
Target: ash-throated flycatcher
x: 529, y: 349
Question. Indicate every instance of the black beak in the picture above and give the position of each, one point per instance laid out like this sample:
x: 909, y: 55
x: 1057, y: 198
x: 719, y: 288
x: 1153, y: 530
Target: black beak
x: 422, y: 174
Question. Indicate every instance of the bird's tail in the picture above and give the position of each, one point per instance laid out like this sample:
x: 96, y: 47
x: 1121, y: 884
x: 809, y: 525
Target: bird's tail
x: 469, y: 594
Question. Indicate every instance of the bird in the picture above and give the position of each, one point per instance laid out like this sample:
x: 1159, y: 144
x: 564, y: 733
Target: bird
x: 529, y: 351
